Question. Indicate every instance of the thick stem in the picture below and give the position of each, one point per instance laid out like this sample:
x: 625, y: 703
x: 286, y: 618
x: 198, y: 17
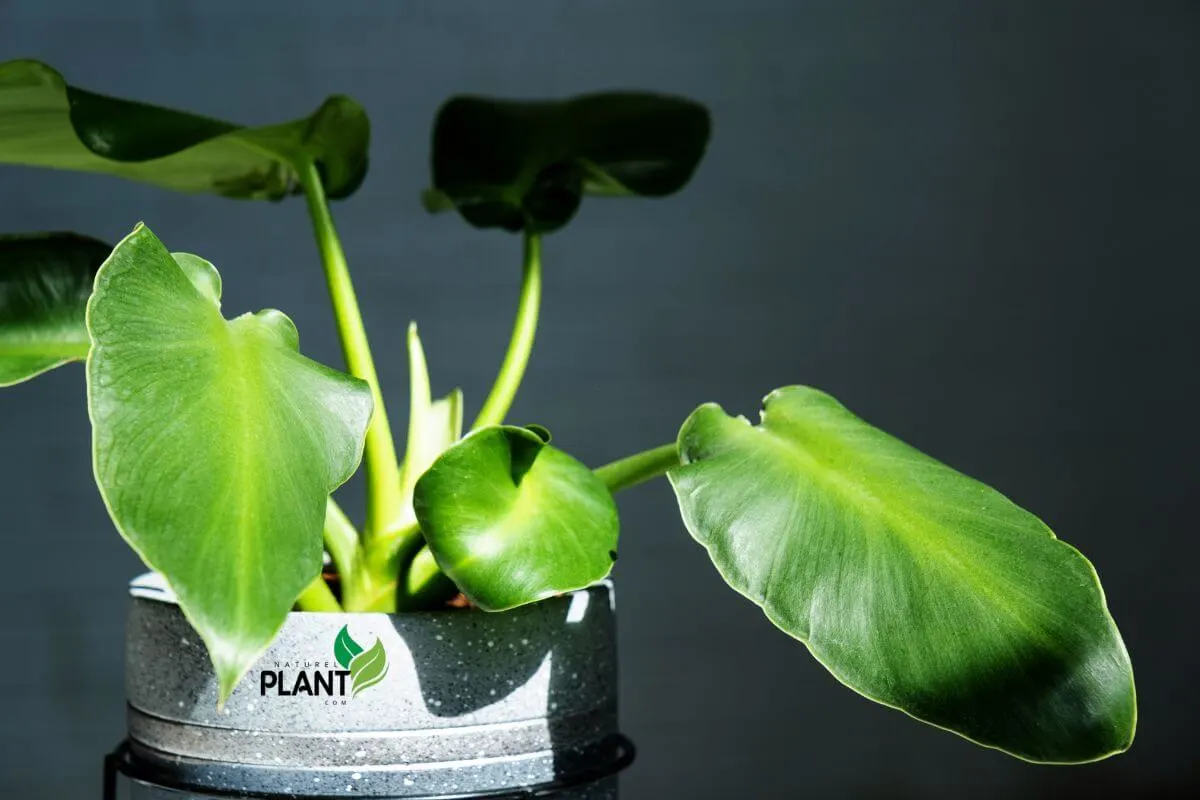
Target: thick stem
x: 425, y: 585
x: 341, y: 542
x: 382, y: 468
x: 500, y: 399
x: 317, y: 596
x: 638, y: 468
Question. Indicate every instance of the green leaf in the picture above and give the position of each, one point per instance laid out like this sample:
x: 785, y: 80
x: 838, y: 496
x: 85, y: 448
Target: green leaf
x: 46, y: 122
x: 512, y: 520
x: 216, y: 444
x: 45, y: 282
x: 913, y: 584
x: 368, y: 668
x: 345, y: 648
x: 525, y: 165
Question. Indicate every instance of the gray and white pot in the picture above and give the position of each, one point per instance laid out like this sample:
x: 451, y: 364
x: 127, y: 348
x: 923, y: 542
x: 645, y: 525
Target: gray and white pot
x: 446, y: 704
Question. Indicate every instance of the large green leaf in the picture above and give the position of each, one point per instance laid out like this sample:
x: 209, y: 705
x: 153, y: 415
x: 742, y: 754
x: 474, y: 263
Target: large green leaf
x: 216, y: 444
x: 525, y: 165
x: 913, y: 584
x: 512, y: 520
x: 46, y: 122
x: 45, y: 282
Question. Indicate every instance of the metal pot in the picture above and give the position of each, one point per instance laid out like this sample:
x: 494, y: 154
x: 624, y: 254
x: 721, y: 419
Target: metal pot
x: 446, y: 704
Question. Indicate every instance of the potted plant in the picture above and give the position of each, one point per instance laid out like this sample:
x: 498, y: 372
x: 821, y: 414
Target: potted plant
x: 461, y: 643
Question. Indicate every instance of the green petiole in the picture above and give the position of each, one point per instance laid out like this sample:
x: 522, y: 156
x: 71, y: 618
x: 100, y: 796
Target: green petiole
x: 639, y: 467
x: 500, y: 399
x: 379, y: 456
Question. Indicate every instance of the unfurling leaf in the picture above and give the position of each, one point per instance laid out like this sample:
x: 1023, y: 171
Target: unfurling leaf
x: 47, y: 122
x: 216, y: 444
x: 368, y: 668
x: 433, y: 425
x: 345, y: 648
x: 45, y: 282
x: 526, y: 165
x: 512, y: 520
x: 915, y: 585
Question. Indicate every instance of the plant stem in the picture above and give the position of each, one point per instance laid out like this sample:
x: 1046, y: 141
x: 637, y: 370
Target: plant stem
x: 425, y: 585
x: 382, y: 468
x: 500, y: 399
x: 341, y: 541
x: 317, y: 596
x: 638, y: 468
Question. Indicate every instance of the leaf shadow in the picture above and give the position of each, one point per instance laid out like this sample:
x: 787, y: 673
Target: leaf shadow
x: 562, y: 649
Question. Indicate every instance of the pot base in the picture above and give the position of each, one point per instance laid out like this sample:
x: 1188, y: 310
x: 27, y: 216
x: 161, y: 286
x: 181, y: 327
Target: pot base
x: 149, y: 777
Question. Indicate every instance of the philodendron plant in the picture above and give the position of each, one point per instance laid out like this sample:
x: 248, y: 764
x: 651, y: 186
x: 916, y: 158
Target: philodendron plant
x: 217, y: 444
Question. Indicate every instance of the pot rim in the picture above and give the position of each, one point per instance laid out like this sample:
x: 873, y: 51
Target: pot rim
x: 152, y: 585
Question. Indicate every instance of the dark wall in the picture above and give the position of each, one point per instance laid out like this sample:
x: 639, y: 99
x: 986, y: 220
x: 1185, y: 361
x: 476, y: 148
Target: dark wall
x: 974, y: 223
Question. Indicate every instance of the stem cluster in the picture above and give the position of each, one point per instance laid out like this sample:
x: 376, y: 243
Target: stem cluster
x: 386, y: 568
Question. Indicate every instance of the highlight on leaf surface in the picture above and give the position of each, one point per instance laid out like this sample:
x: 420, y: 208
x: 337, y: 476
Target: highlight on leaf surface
x: 916, y: 586
x: 215, y: 444
x: 46, y: 122
x: 45, y: 282
x: 526, y: 165
x: 512, y: 520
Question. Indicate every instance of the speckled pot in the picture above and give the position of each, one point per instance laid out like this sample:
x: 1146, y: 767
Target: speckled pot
x: 469, y: 704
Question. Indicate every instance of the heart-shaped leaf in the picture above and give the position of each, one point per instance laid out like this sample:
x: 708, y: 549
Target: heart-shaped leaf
x: 512, y: 520
x: 216, y: 444
x: 525, y: 165
x: 913, y: 584
x: 45, y: 282
x: 46, y: 122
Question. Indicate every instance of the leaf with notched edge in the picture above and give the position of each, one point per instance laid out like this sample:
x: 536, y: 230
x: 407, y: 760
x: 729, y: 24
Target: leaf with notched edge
x: 916, y: 586
x: 512, y: 520
x: 216, y: 444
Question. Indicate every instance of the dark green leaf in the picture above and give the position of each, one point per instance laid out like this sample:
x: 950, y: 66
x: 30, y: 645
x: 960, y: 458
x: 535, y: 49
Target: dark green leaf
x: 45, y: 282
x: 512, y: 520
x: 525, y: 165
x: 913, y: 584
x: 48, y: 123
x: 345, y: 648
x: 216, y: 444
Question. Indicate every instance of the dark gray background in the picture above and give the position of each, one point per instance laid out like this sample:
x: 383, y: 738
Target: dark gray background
x: 974, y: 223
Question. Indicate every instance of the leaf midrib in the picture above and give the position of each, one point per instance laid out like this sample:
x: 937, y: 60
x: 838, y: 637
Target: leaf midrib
x: 902, y: 526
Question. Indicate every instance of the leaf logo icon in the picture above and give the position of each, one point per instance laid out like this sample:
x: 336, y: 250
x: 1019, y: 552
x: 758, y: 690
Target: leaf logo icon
x: 345, y: 648
x: 368, y: 668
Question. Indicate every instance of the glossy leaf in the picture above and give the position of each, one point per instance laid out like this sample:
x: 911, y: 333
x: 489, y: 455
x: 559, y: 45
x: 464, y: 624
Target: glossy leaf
x: 345, y: 648
x: 368, y: 668
x: 512, y: 520
x: 526, y: 165
x: 913, y: 584
x: 46, y: 122
x: 45, y: 282
x: 216, y: 444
